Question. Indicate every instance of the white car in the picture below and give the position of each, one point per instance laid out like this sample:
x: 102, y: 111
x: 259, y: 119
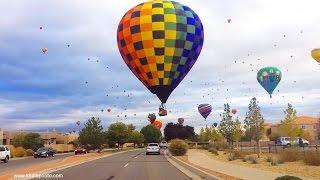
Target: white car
x: 164, y: 144
x: 286, y: 141
x: 4, y: 153
x: 153, y: 148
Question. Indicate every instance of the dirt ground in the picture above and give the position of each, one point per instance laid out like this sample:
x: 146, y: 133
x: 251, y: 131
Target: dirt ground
x: 297, y: 168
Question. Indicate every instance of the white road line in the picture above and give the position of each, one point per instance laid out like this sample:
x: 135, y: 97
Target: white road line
x: 126, y: 165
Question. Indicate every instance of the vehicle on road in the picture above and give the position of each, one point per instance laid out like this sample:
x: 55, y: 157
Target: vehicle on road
x: 4, y: 154
x: 153, y: 148
x: 163, y: 144
x: 287, y: 141
x: 44, y: 152
x: 80, y: 150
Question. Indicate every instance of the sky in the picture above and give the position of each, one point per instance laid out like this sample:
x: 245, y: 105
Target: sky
x: 57, y: 89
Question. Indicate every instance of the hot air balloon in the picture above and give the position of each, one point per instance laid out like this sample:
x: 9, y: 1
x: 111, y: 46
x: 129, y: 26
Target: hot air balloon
x: 180, y: 121
x: 160, y: 41
x: 234, y: 111
x: 109, y: 110
x: 44, y: 50
x: 269, y: 78
x: 157, y: 123
x: 316, y: 55
x: 204, y: 110
x: 152, y: 118
x: 215, y: 124
x: 229, y: 20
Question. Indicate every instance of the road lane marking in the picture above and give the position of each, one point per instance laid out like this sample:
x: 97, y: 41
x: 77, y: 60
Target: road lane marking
x: 126, y: 165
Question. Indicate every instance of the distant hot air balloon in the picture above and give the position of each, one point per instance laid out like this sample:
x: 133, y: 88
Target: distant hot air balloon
x: 160, y: 41
x: 234, y: 111
x: 181, y: 121
x: 157, y: 123
x: 229, y: 20
x: 215, y: 124
x: 269, y: 78
x: 109, y: 110
x: 152, y: 118
x: 205, y: 110
x: 316, y: 55
x: 44, y: 50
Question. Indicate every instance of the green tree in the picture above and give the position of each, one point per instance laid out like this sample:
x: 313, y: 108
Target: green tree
x: 151, y: 134
x: 210, y: 133
x: 32, y: 141
x: 287, y: 126
x: 254, y: 123
x: 136, y: 138
x: 118, y: 133
x: 92, y: 136
x: 230, y: 128
x: 18, y: 139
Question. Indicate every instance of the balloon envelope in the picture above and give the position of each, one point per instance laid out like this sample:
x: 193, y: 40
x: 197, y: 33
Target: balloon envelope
x: 234, y: 111
x: 204, y: 110
x: 160, y: 41
x: 269, y: 78
x: 316, y: 54
x: 180, y: 121
x: 157, y: 123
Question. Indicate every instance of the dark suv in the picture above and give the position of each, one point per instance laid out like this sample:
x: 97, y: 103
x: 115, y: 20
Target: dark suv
x: 44, y: 152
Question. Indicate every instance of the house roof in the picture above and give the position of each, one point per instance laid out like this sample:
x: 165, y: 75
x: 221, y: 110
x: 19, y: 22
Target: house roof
x: 306, y: 120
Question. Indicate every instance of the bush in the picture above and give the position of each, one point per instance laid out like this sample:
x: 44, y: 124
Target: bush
x: 213, y: 150
x: 220, y: 145
x: 251, y: 159
x: 178, y: 147
x: 269, y: 159
x: 290, y: 155
x: 29, y: 152
x: 312, y: 158
x: 231, y: 157
x: 288, y: 178
x: 19, y: 152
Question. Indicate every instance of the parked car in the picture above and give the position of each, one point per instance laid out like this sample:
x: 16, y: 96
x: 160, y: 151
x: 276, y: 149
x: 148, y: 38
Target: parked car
x: 153, y: 148
x: 286, y: 141
x: 164, y: 144
x: 4, y: 154
x: 44, y: 152
x: 80, y: 150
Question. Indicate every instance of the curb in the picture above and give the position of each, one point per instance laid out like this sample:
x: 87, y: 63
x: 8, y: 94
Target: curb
x: 186, y: 171
x: 51, y: 170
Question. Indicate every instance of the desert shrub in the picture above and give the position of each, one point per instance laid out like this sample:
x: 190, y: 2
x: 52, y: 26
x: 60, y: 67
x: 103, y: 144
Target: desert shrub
x: 19, y: 152
x: 288, y: 178
x: 290, y: 155
x: 269, y: 159
x: 213, y: 150
x: 178, y: 147
x: 254, y: 160
x: 231, y: 157
x: 29, y: 152
x: 275, y: 161
x: 312, y: 158
x: 220, y: 145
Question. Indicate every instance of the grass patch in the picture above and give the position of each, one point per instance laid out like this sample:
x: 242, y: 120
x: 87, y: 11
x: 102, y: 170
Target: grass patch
x: 312, y: 158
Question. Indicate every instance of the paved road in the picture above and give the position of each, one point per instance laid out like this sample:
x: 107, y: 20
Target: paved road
x: 129, y: 165
x: 19, y: 163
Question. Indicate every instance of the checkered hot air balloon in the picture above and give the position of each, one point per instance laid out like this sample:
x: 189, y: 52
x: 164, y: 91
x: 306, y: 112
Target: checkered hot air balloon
x: 205, y: 110
x: 160, y: 41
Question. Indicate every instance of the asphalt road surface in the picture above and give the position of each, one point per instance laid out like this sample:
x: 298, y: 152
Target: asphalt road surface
x: 134, y: 165
x: 20, y: 163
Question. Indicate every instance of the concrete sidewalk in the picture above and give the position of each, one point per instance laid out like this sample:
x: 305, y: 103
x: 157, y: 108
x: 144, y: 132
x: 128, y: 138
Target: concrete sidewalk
x: 203, y: 160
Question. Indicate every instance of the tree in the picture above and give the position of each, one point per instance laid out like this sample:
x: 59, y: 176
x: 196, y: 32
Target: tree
x: 177, y: 131
x: 136, y: 137
x: 32, y: 141
x: 229, y: 128
x: 151, y: 134
x: 209, y: 133
x: 18, y: 139
x: 287, y: 126
x: 254, y: 123
x: 92, y: 136
x: 118, y: 133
